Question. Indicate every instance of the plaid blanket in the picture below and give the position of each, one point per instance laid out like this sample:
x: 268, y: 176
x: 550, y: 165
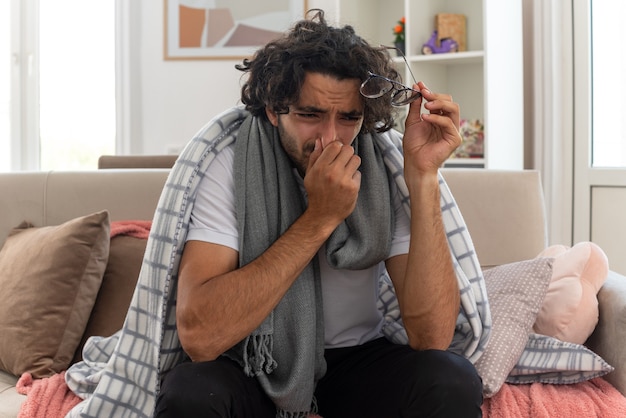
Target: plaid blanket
x: 120, y: 375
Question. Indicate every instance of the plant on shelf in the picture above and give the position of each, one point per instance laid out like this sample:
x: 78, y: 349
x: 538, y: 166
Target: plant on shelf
x: 398, y: 31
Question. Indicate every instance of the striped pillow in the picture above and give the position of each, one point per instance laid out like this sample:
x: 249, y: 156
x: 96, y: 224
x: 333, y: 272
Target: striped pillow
x: 549, y: 360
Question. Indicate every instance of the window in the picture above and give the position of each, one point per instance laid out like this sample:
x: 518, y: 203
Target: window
x: 599, y: 169
x: 77, y: 83
x: 66, y: 86
x: 608, y: 83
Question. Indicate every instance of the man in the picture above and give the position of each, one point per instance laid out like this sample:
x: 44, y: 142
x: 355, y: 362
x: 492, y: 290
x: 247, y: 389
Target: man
x: 290, y: 231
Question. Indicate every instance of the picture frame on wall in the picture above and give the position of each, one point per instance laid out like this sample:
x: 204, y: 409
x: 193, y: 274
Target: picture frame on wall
x: 225, y: 29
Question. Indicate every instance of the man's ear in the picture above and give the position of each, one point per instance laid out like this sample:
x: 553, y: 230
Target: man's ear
x: 272, y: 116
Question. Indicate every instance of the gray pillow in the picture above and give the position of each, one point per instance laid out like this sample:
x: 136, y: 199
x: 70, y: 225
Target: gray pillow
x: 516, y: 292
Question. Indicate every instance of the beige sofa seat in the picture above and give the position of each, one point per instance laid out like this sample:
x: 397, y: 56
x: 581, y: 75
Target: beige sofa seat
x: 10, y: 400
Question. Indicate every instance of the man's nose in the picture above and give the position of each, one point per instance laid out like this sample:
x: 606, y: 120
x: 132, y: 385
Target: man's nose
x: 328, y: 134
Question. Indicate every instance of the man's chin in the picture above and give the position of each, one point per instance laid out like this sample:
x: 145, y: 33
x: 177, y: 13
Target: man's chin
x: 301, y: 170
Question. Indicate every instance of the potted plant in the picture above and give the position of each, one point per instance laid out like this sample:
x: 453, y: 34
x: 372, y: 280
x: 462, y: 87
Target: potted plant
x: 398, y: 31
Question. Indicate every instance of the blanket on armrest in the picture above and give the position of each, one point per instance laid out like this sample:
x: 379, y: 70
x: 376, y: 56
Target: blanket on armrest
x: 120, y: 375
x: 591, y: 398
x: 46, y: 398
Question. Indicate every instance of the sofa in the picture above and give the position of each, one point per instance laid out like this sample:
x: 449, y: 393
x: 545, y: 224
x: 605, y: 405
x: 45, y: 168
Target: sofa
x: 503, y: 210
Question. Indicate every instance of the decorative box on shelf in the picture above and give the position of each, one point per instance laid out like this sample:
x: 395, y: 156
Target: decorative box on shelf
x: 453, y: 26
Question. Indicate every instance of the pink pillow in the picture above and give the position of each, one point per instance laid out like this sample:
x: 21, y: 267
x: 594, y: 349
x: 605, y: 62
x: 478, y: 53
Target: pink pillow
x: 570, y: 308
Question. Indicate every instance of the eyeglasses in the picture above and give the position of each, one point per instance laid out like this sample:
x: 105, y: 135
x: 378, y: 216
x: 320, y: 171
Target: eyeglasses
x: 376, y: 86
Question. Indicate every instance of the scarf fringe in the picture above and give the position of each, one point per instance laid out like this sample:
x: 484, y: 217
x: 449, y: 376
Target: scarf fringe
x: 257, y: 355
x: 287, y: 414
x: 280, y: 413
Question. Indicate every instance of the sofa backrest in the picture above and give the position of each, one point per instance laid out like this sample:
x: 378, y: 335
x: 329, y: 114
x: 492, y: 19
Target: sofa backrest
x: 504, y: 210
x: 53, y: 197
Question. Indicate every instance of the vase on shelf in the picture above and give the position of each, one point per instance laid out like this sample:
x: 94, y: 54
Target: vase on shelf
x: 400, y: 48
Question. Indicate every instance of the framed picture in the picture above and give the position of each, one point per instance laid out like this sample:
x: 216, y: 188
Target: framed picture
x: 225, y: 29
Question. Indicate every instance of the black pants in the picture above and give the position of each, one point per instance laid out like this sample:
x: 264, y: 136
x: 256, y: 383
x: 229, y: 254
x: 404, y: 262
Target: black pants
x: 378, y: 380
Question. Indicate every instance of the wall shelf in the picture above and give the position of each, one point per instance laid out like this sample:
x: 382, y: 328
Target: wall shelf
x: 463, y: 57
x: 486, y: 79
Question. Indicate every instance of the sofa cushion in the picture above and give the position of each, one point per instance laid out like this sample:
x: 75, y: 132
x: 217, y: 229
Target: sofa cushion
x: 49, y: 278
x: 120, y: 277
x: 570, y: 308
x: 515, y: 291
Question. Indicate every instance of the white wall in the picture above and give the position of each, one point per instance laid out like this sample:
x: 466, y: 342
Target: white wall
x: 171, y: 100
x: 175, y: 98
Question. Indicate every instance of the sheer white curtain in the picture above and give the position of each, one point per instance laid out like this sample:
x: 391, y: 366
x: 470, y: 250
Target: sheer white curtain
x: 551, y: 102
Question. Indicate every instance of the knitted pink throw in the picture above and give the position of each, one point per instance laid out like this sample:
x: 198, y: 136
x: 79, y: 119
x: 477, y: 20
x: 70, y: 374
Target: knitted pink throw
x: 137, y: 229
x: 46, y: 398
x: 593, y: 398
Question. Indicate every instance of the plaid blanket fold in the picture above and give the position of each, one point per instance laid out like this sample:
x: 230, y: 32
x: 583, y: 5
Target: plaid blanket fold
x: 120, y: 375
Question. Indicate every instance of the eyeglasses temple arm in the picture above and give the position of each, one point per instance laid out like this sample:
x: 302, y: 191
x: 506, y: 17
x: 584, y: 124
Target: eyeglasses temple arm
x: 405, y: 60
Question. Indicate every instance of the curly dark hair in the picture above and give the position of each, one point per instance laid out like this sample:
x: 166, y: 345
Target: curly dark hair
x: 276, y: 72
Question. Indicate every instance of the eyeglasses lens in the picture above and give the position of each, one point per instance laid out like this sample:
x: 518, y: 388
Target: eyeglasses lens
x: 375, y: 87
x: 403, y: 97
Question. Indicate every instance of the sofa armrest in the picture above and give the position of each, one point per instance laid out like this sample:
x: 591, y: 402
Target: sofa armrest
x: 608, y: 338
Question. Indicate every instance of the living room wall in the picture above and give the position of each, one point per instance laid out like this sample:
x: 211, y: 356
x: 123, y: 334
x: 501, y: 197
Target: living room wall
x: 169, y: 101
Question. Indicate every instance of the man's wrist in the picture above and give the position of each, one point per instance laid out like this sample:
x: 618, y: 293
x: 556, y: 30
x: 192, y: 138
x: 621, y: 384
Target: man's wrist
x: 419, y: 180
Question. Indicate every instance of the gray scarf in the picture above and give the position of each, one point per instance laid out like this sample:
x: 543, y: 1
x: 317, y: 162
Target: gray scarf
x: 286, y: 352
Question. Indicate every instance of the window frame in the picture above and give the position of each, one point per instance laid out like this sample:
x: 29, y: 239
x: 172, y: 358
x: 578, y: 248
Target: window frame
x: 24, y: 80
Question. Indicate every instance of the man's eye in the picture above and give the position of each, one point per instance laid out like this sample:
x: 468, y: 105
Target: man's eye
x: 351, y: 120
x: 306, y: 115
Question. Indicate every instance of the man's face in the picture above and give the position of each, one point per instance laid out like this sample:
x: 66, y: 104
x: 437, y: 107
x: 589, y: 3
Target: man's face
x: 328, y: 109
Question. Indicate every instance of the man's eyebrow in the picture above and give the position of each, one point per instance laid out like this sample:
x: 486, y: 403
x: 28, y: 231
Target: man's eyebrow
x: 309, y: 109
x: 352, y: 114
x: 313, y: 109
